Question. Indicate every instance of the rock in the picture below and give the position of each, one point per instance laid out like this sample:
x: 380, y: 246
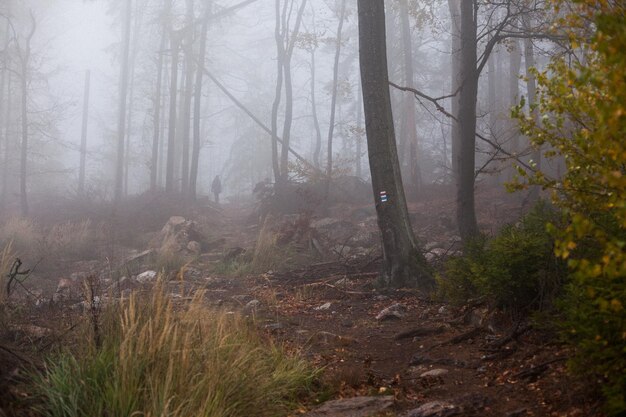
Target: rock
x: 240, y: 298
x: 233, y: 253
x: 176, y: 236
x: 381, y: 297
x: 194, y: 247
x: 274, y: 326
x: 393, y: 312
x: 251, y: 307
x: 146, y: 277
x: 67, y: 289
x: 328, y: 338
x: 442, y: 310
x: 353, y: 407
x: 434, y: 409
x: 134, y: 262
x: 323, y: 307
x: 434, y: 373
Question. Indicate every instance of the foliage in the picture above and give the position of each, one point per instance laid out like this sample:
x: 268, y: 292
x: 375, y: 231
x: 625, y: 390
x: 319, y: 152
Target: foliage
x: 158, y: 359
x: 515, y: 270
x: 583, y: 103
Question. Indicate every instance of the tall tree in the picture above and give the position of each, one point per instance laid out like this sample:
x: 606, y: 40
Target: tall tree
x: 156, y: 130
x: 403, y: 262
x: 197, y: 103
x: 123, y: 93
x: 24, y: 56
x: 175, y: 40
x: 466, y: 119
x: 288, y: 53
x: 409, y: 128
x: 83, y: 136
x: 333, y: 100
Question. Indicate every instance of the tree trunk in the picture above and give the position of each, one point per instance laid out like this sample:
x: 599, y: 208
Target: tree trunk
x: 5, y: 86
x: 280, y: 56
x: 197, y: 103
x: 403, y: 263
x: 531, y: 89
x: 186, y: 111
x: 466, y: 214
x: 156, y: 133
x: 455, y: 17
x: 333, y: 101
x: 7, y: 149
x: 83, y: 136
x: 171, y: 137
x: 410, y: 128
x: 284, y: 154
x: 25, y: 61
x: 316, y: 122
x: 515, y: 65
x: 123, y: 93
x: 359, y: 137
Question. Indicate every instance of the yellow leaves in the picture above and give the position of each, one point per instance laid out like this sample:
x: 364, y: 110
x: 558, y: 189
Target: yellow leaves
x: 616, y: 305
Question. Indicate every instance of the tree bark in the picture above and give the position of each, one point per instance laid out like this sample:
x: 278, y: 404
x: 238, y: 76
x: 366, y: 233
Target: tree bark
x: 121, y: 122
x: 410, y: 128
x: 284, y: 154
x: 403, y: 264
x: 171, y: 137
x: 83, y: 136
x: 280, y: 56
x: 466, y: 214
x: 156, y: 133
x: 25, y: 61
x: 316, y: 122
x: 333, y: 101
x: 186, y: 110
x: 455, y: 53
x: 531, y: 89
x: 197, y: 105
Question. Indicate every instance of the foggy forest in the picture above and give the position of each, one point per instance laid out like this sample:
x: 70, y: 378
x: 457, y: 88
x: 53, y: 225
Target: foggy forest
x: 341, y: 208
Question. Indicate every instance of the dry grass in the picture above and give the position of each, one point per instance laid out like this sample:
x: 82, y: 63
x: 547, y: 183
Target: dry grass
x: 24, y: 235
x: 161, y: 360
x: 266, y: 250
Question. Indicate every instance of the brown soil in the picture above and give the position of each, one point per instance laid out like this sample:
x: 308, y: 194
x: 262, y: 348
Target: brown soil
x: 494, y: 365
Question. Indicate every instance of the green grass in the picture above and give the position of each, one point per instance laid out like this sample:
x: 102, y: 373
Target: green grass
x: 158, y: 359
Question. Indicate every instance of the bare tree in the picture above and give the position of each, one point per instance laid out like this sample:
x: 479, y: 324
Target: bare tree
x: 24, y: 56
x: 333, y: 102
x: 83, y: 136
x: 403, y: 262
x: 123, y: 94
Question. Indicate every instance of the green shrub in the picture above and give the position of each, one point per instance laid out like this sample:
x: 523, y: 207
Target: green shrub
x: 516, y: 270
x: 158, y: 359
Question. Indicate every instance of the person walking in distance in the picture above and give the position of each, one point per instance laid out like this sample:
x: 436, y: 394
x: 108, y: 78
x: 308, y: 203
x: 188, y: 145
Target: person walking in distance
x: 216, y: 188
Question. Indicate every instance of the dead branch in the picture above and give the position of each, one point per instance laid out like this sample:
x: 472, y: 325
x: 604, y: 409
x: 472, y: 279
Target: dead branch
x: 419, y: 332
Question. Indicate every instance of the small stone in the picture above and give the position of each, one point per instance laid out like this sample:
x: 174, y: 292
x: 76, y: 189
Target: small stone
x: 323, y: 307
x: 252, y: 306
x: 146, y: 277
x: 393, y: 312
x: 434, y: 373
x: 194, y: 247
x: 442, y: 310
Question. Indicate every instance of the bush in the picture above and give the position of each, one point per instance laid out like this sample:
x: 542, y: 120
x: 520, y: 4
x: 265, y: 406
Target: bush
x: 581, y: 100
x: 161, y: 360
x: 516, y: 270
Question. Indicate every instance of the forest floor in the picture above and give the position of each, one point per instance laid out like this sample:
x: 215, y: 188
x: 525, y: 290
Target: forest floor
x: 432, y: 358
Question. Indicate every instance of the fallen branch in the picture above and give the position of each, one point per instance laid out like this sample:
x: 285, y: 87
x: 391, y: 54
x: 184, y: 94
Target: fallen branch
x: 460, y: 338
x: 419, y: 332
x: 536, y: 371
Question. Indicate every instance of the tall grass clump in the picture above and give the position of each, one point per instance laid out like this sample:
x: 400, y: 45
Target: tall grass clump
x: 70, y: 239
x: 22, y: 233
x: 266, y: 253
x: 158, y: 359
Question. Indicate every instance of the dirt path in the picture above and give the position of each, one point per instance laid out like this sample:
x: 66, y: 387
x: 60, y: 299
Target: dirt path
x: 466, y: 362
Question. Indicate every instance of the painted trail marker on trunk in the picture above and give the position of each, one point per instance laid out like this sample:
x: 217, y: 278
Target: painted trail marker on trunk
x: 383, y: 196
